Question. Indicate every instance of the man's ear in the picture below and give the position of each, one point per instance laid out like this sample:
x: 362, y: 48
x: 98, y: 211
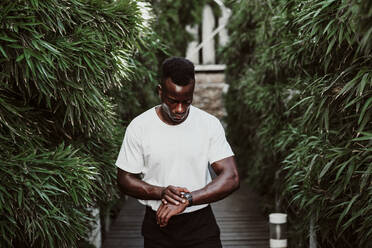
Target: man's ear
x: 159, y: 90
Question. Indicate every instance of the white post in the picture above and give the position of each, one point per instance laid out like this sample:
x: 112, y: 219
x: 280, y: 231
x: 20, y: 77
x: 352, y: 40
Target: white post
x: 278, y: 230
x: 222, y: 21
x: 208, y: 24
x: 190, y: 55
x: 312, y: 239
x: 95, y: 236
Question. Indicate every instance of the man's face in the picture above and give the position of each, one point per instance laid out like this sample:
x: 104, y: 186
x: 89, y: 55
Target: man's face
x: 176, y: 100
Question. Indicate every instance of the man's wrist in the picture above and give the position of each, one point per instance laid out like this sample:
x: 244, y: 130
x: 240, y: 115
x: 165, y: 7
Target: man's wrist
x: 161, y: 192
x: 188, y: 197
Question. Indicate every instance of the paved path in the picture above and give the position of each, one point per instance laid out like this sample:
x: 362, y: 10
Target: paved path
x: 241, y: 221
x: 239, y: 218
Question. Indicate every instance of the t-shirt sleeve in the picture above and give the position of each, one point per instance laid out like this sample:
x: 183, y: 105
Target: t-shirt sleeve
x: 130, y: 157
x: 219, y: 148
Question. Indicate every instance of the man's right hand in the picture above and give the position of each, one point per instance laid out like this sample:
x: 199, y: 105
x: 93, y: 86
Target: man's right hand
x: 172, y: 194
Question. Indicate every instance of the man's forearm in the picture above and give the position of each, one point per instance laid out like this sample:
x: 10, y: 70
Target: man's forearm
x: 218, y: 189
x: 133, y: 186
x: 224, y: 184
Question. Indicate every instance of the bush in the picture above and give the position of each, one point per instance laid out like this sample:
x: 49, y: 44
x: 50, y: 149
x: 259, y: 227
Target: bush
x: 301, y: 93
x: 62, y: 65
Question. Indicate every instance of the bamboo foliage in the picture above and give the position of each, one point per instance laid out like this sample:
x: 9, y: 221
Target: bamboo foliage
x: 42, y: 196
x: 304, y: 99
x: 64, y: 68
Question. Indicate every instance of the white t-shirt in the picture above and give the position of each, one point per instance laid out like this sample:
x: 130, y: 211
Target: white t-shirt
x: 173, y: 154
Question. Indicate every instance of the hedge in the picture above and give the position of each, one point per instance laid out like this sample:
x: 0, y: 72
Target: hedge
x: 65, y: 68
x: 299, y: 112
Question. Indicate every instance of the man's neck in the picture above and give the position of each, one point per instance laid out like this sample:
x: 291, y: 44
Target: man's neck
x: 165, y: 118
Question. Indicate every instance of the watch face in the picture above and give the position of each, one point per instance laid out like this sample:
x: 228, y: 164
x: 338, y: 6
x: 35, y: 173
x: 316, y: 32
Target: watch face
x: 188, y: 196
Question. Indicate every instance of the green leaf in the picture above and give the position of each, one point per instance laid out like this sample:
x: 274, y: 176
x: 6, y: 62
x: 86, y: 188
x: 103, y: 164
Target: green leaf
x: 349, y: 174
x: 6, y: 38
x: 352, y: 102
x: 349, y: 85
x: 49, y: 47
x: 326, y: 118
x: 346, y: 210
x: 366, y: 136
x: 365, y: 178
x: 342, y: 167
x: 328, y: 26
x: 326, y: 168
x: 364, y: 109
x: 20, y: 57
x: 298, y: 103
x: 3, y: 52
x: 20, y: 196
x: 35, y: 3
x: 331, y: 44
x: 363, y: 84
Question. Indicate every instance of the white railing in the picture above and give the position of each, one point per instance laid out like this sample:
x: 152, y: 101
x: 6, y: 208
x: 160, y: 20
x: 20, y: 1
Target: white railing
x: 208, y: 33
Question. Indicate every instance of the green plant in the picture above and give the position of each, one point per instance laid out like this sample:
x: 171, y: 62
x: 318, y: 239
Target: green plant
x: 301, y: 94
x: 62, y: 65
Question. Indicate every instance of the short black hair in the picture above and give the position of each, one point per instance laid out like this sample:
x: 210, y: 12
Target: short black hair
x: 180, y: 70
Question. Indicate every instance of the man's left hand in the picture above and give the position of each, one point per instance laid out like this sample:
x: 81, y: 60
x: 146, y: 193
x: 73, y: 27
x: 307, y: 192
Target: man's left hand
x: 166, y: 211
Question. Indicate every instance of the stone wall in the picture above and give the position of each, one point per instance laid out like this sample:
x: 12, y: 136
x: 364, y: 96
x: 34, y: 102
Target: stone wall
x: 208, y: 92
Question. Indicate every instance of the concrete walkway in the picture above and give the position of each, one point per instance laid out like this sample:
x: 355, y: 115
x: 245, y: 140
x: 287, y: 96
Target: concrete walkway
x: 239, y: 218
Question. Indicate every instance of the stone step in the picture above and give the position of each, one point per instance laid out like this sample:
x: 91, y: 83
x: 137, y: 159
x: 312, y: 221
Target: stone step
x: 210, y: 68
x: 209, y: 77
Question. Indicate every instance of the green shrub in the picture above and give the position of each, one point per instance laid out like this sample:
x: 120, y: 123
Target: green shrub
x: 65, y: 66
x: 300, y: 75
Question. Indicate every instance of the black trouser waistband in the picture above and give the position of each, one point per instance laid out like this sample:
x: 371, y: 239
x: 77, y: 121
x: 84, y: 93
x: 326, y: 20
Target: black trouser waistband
x: 194, y: 229
x: 206, y: 209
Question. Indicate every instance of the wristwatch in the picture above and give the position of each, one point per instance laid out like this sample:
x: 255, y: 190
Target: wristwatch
x: 188, y: 196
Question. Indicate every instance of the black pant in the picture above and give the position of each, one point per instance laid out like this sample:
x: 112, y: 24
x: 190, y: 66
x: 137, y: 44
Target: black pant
x: 192, y: 230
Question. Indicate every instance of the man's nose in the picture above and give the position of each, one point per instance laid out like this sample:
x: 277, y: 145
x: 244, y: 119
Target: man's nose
x: 180, y: 108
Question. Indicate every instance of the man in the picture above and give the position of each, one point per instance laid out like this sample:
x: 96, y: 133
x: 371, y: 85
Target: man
x: 164, y: 160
